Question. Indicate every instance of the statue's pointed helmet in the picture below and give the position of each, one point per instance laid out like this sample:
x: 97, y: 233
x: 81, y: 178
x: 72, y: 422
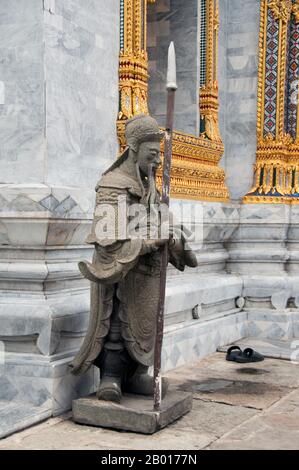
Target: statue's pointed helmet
x: 142, y: 128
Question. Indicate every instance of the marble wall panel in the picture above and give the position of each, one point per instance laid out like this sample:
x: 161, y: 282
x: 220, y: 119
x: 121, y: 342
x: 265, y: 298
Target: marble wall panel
x: 22, y: 118
x: 238, y: 65
x: 81, y: 60
x: 175, y: 20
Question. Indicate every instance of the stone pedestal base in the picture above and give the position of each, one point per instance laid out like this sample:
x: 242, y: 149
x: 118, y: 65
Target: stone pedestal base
x: 135, y: 413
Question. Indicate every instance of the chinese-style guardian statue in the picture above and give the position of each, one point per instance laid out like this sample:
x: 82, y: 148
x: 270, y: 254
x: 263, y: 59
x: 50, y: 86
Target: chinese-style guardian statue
x: 125, y: 270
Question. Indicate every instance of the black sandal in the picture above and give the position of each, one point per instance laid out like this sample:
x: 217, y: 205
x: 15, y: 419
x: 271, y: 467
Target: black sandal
x: 250, y: 355
x: 234, y: 353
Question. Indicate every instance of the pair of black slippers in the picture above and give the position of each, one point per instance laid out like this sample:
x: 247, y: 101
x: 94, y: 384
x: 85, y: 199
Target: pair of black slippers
x: 234, y: 353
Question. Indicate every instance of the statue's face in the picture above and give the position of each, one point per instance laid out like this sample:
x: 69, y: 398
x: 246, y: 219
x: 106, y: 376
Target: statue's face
x: 148, y: 154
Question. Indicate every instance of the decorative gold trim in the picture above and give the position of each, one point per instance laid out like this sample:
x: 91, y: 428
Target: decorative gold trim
x: 261, y: 70
x: 279, y: 81
x: 209, y: 106
x: 210, y: 40
x: 295, y: 11
x: 270, y: 169
x: 281, y: 8
x: 195, y: 171
x: 133, y: 68
x: 208, y: 93
x: 265, y: 200
x: 282, y: 73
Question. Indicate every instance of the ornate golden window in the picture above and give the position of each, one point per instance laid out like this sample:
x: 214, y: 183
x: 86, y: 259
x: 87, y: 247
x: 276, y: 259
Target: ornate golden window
x: 277, y: 157
x: 195, y: 170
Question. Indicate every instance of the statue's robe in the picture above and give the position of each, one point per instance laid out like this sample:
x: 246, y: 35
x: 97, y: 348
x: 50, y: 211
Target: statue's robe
x: 128, y: 280
x: 126, y: 270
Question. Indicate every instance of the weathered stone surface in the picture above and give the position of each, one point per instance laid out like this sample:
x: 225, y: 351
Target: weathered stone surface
x: 66, y: 434
x: 209, y: 425
x: 255, y: 385
x: 212, y: 418
x: 277, y: 428
x: 272, y: 371
x: 135, y: 413
x: 239, y: 392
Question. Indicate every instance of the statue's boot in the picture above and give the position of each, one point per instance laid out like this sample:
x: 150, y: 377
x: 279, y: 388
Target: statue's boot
x: 112, y: 369
x: 141, y: 383
x: 190, y: 258
x: 110, y: 389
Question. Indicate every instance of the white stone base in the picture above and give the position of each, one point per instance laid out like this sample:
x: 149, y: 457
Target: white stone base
x: 40, y: 379
x: 15, y: 416
x: 44, y: 301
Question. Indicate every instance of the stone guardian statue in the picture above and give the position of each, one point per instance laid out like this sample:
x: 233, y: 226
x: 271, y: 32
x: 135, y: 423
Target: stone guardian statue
x: 125, y: 270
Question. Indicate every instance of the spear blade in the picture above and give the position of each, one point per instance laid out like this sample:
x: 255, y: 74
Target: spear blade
x: 171, y: 68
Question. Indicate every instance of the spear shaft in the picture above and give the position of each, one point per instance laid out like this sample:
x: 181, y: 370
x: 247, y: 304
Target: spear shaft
x: 171, y: 89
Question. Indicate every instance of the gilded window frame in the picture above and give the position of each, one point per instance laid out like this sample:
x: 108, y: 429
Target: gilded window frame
x: 277, y: 156
x: 195, y: 170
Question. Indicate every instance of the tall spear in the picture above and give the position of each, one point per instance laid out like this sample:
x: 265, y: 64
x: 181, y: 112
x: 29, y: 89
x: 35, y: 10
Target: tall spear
x: 171, y: 89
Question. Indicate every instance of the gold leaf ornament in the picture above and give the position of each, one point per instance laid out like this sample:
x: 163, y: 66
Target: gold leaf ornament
x: 282, y: 9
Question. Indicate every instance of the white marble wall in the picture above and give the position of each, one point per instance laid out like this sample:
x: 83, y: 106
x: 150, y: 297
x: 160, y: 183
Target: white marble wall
x: 238, y: 65
x: 58, y: 107
x: 59, y: 90
x: 174, y: 20
x: 22, y: 111
x: 81, y: 87
x: 264, y: 251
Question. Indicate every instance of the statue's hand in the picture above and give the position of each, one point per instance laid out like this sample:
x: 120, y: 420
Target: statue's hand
x: 182, y: 253
x: 160, y: 242
x: 154, y: 245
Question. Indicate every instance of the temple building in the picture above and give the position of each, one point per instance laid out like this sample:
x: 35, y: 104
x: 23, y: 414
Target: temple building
x: 71, y: 73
